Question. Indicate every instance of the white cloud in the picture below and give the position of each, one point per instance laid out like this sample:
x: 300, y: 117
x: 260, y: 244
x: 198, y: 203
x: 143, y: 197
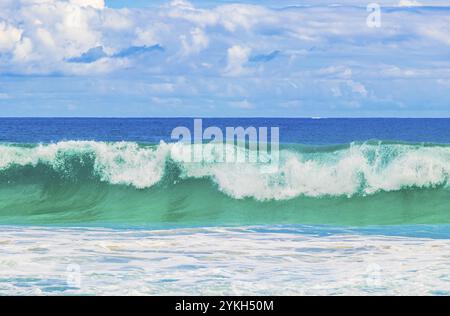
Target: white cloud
x: 409, y: 3
x: 46, y: 36
x: 9, y: 36
x: 98, y: 4
x: 342, y: 75
x: 341, y: 72
x: 326, y: 56
x: 236, y: 16
x: 357, y: 87
x: 440, y: 33
x: 198, y: 41
x: 244, y: 104
x: 237, y: 56
x: 117, y: 20
x: 184, y: 4
x: 22, y: 51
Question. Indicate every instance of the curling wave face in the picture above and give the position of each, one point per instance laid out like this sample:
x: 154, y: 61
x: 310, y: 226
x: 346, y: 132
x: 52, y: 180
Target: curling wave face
x: 84, y: 181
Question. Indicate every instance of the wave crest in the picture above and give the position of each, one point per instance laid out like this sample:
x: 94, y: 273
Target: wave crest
x: 358, y: 169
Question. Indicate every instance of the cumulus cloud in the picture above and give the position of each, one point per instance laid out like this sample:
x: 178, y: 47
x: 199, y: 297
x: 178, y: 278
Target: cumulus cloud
x: 46, y: 32
x: 409, y: 3
x: 196, y: 43
x: 264, y: 52
x: 98, y: 4
x: 237, y: 56
x: 9, y: 36
x: 44, y: 36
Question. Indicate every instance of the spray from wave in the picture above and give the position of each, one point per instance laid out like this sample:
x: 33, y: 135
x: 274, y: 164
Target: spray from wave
x: 355, y: 169
x: 85, y: 180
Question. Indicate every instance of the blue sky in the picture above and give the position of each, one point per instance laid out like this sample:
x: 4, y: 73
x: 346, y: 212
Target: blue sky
x: 224, y: 58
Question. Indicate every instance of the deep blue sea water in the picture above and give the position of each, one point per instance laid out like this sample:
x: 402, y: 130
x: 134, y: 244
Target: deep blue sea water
x: 292, y: 130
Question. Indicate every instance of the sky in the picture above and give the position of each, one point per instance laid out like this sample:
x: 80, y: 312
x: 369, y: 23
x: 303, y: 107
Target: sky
x: 224, y: 58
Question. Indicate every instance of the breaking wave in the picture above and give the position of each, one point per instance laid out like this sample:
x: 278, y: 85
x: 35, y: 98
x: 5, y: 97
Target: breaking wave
x: 348, y: 170
x: 71, y: 178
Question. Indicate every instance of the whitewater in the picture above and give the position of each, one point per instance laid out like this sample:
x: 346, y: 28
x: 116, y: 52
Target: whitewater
x: 363, y: 169
x: 111, y: 206
x: 129, y: 183
x: 272, y: 260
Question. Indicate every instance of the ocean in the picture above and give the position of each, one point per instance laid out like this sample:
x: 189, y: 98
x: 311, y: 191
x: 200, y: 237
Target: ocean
x: 104, y: 206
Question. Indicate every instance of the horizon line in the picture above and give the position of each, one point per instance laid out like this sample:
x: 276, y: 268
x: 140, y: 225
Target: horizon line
x: 223, y: 117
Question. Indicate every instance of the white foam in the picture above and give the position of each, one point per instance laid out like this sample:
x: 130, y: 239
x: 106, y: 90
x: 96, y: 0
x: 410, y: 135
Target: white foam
x: 116, y: 163
x: 359, y: 169
x: 217, y: 261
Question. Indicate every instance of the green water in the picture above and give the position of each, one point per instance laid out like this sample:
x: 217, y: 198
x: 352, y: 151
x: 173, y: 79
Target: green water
x: 393, y: 184
x: 193, y: 202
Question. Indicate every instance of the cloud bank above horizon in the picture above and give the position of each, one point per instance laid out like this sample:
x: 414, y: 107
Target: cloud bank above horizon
x: 266, y: 58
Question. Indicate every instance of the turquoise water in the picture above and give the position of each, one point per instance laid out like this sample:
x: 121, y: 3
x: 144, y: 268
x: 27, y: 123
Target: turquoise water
x: 126, y: 183
x: 112, y: 206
